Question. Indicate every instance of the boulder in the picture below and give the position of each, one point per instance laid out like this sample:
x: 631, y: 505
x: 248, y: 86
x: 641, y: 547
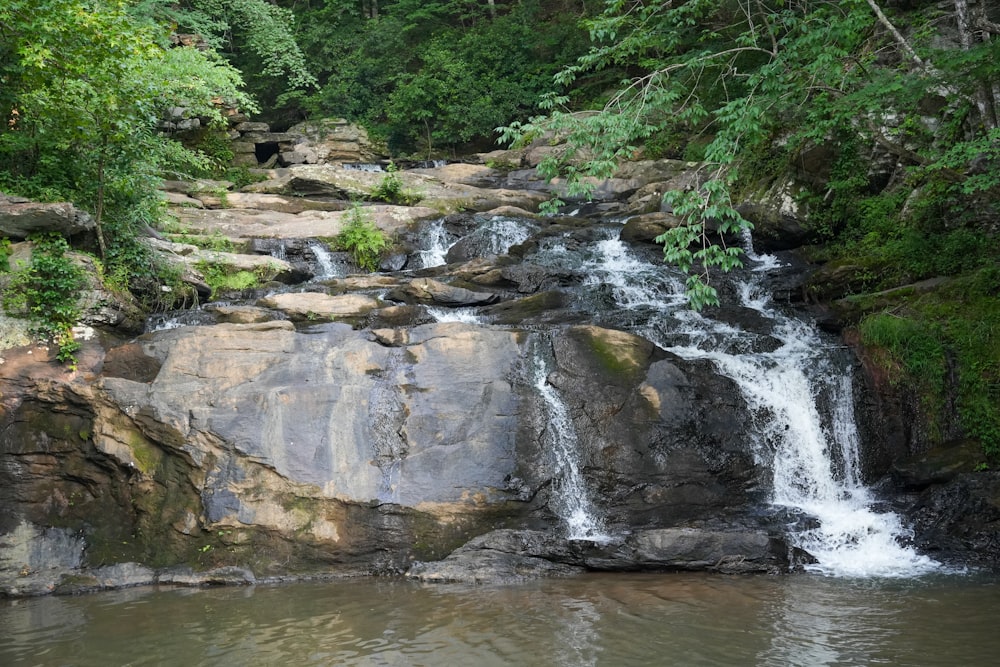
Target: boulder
x: 502, y: 557
x: 479, y: 176
x: 19, y: 218
x: 648, y: 226
x: 722, y: 551
x: 267, y: 268
x: 780, y: 220
x: 315, y: 306
x: 239, y: 224
x: 327, y: 180
x: 428, y: 290
x: 959, y: 520
x: 281, y: 204
x: 334, y: 140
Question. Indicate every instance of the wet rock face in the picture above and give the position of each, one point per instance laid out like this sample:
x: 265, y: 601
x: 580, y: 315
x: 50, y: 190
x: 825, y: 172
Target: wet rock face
x: 507, y: 556
x: 336, y: 426
x: 326, y: 447
x: 959, y: 521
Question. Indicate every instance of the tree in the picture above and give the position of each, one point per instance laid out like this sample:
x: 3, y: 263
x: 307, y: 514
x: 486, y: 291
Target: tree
x: 257, y: 34
x: 84, y: 87
x: 435, y: 74
x: 748, y: 76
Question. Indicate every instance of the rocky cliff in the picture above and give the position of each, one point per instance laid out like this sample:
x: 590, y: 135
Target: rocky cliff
x: 337, y: 427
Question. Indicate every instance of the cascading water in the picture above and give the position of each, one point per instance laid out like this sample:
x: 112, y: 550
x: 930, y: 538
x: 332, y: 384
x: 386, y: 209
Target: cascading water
x: 324, y: 261
x: 498, y: 234
x: 494, y: 236
x: 633, y: 282
x: 570, y: 497
x: 796, y: 385
x: 436, y: 242
x: 370, y: 167
x: 464, y: 315
x: 814, y: 456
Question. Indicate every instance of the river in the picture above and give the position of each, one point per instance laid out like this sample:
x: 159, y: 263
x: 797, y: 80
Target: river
x: 598, y: 619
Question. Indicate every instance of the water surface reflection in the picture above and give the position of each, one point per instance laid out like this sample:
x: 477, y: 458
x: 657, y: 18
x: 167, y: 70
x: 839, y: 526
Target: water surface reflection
x: 620, y: 620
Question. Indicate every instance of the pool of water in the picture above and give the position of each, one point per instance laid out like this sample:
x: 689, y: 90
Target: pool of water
x: 619, y: 620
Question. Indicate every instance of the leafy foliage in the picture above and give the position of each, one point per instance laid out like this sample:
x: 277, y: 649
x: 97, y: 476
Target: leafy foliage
x: 431, y: 76
x: 392, y: 189
x: 947, y: 343
x: 46, y: 294
x: 260, y: 35
x: 224, y: 277
x: 82, y: 87
x: 363, y: 239
x: 742, y: 78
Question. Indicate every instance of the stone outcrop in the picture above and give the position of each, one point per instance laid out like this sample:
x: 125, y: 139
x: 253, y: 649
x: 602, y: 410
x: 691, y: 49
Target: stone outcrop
x: 335, y: 427
x: 333, y: 449
x: 19, y: 218
x: 316, y: 306
x: 508, y: 556
x: 325, y: 141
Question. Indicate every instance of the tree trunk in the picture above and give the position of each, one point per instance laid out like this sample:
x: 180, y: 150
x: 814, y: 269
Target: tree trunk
x: 99, y: 204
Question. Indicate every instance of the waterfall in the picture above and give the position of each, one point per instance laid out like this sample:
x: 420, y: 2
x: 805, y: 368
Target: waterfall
x: 436, y: 242
x: 570, y: 497
x: 797, y: 386
x: 370, y: 167
x: 501, y: 233
x: 814, y: 456
x: 324, y: 262
x: 634, y: 283
x: 493, y: 236
x: 465, y: 315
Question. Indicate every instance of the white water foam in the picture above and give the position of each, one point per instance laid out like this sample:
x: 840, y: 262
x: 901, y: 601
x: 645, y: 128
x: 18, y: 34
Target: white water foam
x: 500, y: 233
x: 813, y: 455
x: 634, y: 282
x: 438, y: 243
x: 370, y: 167
x: 465, y: 315
x: 815, y: 460
x: 570, y: 498
x: 324, y: 260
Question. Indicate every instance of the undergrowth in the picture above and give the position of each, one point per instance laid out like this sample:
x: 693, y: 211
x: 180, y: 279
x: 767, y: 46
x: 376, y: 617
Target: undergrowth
x: 391, y: 189
x: 947, y: 342
x: 45, y: 292
x: 363, y: 239
x: 225, y: 277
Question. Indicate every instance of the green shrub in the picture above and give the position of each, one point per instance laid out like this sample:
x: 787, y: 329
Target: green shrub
x: 5, y: 250
x: 363, y: 239
x: 46, y: 293
x: 391, y: 189
x: 946, y: 349
x: 226, y: 277
x: 214, y: 241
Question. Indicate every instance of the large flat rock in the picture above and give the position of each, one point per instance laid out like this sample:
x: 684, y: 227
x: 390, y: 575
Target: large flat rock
x: 239, y: 223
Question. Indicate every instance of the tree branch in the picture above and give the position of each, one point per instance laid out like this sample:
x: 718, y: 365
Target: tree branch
x: 898, y: 36
x: 986, y: 25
